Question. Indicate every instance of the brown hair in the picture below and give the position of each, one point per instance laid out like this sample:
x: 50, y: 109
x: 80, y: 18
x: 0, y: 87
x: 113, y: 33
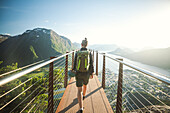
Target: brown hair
x: 84, y: 42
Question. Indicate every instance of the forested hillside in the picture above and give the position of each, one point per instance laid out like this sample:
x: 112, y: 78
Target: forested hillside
x: 33, y: 45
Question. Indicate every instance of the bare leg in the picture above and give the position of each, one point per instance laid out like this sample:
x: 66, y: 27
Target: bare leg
x: 84, y: 89
x: 79, y: 96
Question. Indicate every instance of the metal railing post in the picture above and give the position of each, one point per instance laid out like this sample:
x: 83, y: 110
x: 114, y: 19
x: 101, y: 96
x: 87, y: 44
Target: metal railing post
x: 72, y: 60
x: 93, y: 55
x: 103, y: 73
x: 50, y: 89
x: 66, y: 71
x: 119, y: 89
x: 97, y: 63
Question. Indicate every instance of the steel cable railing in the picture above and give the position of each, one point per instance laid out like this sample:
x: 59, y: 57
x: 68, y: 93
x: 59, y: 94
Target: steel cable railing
x: 145, y: 98
x: 31, y: 108
x: 24, y: 67
x: 25, y: 91
x: 24, y: 82
x: 110, y: 84
x: 36, y: 109
x: 28, y: 84
x: 15, y: 87
x: 55, y: 68
x: 18, y: 95
x: 30, y: 94
x: 61, y: 73
x: 111, y: 87
x: 149, y: 73
x: 40, y: 103
x: 57, y: 81
x: 133, y: 109
x: 152, y: 95
x: 148, y: 100
x: 146, y: 90
x: 58, y: 94
x: 4, y: 74
x: 126, y: 107
x: 156, y: 89
x: 137, y: 100
x: 29, y: 70
x: 59, y: 64
x: 29, y: 102
x: 35, y: 89
x: 20, y: 85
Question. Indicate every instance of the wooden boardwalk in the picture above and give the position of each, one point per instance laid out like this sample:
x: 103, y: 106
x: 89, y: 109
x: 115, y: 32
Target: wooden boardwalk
x: 95, y: 101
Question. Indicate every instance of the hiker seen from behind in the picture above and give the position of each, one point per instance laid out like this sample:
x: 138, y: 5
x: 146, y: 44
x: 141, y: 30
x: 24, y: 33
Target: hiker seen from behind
x: 84, y: 69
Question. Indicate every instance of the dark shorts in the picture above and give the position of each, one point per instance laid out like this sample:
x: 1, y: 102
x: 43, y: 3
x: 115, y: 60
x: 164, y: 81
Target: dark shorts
x: 82, y: 78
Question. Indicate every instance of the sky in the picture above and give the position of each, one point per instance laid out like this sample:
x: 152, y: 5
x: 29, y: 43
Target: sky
x: 127, y: 23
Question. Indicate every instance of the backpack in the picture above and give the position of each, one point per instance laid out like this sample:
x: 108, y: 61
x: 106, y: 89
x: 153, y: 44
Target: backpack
x: 83, y: 61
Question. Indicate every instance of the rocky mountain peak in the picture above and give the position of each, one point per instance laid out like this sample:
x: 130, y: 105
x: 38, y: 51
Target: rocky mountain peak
x: 4, y: 37
x: 38, y: 30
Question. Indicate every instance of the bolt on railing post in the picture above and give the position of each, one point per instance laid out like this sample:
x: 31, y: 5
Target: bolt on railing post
x: 103, y: 74
x: 72, y: 60
x: 97, y: 63
x: 119, y: 88
x: 50, y: 90
x: 66, y: 71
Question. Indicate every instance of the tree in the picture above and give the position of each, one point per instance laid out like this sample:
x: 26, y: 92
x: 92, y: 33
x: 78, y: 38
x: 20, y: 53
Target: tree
x: 8, y: 67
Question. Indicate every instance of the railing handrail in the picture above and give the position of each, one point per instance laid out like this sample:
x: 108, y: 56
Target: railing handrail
x: 144, y: 71
x: 12, y: 77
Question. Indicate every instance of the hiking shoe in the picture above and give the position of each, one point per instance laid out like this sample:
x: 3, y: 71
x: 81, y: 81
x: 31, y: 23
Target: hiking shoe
x: 80, y: 111
x: 83, y: 97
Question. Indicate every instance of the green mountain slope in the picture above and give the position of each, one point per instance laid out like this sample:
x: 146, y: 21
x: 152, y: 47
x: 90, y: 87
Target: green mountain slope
x: 33, y: 45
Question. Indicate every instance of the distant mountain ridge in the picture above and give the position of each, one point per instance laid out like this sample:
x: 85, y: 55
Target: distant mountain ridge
x: 77, y: 45
x: 155, y: 57
x: 122, y: 51
x: 4, y: 37
x: 33, y: 45
x: 103, y: 47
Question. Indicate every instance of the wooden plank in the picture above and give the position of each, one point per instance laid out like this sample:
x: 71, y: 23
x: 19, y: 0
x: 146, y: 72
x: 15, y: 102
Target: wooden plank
x: 72, y: 103
x: 98, y: 105
x: 105, y: 100
x: 95, y: 101
x: 65, y: 96
x: 88, y: 106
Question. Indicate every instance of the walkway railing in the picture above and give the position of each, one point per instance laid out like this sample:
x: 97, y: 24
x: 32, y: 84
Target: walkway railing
x: 37, y: 87
x: 132, y: 89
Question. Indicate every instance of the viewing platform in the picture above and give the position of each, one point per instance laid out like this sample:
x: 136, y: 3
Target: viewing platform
x: 95, y: 100
x: 46, y: 87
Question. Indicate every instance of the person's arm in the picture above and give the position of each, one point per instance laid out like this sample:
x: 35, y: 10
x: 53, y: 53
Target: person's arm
x: 91, y: 65
x: 75, y: 63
